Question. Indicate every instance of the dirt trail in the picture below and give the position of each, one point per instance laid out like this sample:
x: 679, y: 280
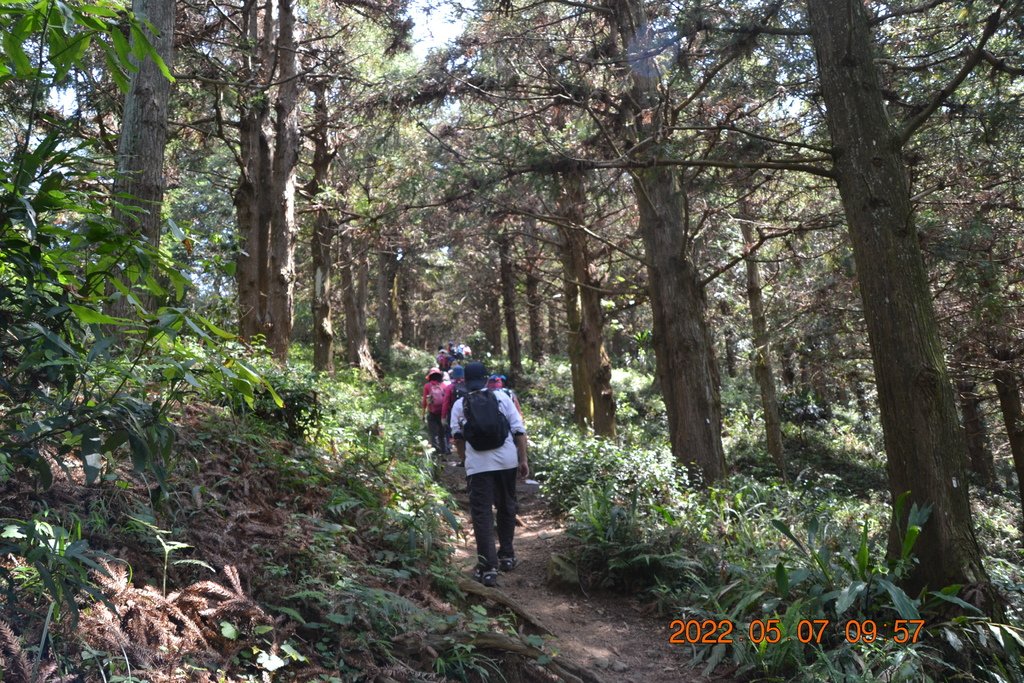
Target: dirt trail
x: 610, y: 634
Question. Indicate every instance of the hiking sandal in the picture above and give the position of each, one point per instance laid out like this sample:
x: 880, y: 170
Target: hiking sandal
x: 507, y: 564
x: 487, y: 577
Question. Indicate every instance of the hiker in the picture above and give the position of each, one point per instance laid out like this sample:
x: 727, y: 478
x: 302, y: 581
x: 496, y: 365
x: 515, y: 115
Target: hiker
x: 452, y: 393
x: 443, y: 359
x: 453, y: 351
x: 497, y: 383
x: 433, y: 401
x: 491, y: 439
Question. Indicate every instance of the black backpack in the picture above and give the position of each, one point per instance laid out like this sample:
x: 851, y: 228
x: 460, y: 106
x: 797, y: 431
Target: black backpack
x: 486, y: 427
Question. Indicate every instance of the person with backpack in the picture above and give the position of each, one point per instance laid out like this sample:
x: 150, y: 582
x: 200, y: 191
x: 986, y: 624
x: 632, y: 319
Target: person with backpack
x: 443, y: 359
x: 452, y: 393
x: 431, y: 405
x: 491, y: 439
x: 497, y: 383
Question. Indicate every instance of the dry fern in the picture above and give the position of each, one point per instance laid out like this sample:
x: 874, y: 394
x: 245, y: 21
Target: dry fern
x: 12, y: 657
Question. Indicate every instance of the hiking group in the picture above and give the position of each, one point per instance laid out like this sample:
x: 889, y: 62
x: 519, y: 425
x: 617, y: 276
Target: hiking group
x: 484, y: 421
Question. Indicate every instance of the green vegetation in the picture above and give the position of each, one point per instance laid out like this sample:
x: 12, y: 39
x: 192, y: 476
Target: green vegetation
x: 754, y: 549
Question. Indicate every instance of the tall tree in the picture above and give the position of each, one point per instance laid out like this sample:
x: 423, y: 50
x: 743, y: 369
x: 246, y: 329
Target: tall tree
x: 139, y: 183
x: 686, y: 367
x: 762, y: 365
x: 324, y: 229
x: 508, y: 303
x: 283, y: 230
x: 924, y: 442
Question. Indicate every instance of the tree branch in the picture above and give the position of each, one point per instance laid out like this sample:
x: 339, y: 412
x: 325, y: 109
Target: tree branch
x: 908, y: 130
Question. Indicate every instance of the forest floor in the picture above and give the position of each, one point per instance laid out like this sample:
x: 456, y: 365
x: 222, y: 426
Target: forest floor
x: 620, y: 638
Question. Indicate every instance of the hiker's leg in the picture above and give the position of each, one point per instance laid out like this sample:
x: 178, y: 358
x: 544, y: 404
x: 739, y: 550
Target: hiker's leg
x: 436, y: 432
x: 508, y: 506
x: 481, y: 501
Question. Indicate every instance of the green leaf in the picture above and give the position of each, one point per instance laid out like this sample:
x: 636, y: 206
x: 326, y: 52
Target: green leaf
x: 228, y: 630
x: 904, y: 605
x: 13, y: 49
x: 121, y: 47
x: 782, y: 579
x: 848, y: 595
x: 89, y: 316
x: 213, y: 328
x: 98, y: 11
x: 913, y: 532
x: 952, y: 599
x: 784, y: 528
x: 862, y: 553
x: 292, y: 652
x: 176, y: 231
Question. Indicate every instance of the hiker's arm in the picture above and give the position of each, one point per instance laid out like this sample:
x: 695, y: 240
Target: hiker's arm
x: 524, y: 466
x: 460, y: 448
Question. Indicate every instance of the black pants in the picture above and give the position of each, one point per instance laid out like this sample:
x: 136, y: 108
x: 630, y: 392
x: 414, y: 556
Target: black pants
x: 487, y: 491
x: 436, y: 431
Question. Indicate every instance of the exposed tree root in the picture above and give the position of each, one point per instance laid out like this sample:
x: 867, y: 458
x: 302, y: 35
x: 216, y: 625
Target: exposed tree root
x: 565, y: 669
x: 474, y: 588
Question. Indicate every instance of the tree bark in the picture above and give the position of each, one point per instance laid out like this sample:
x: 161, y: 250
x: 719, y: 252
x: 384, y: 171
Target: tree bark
x: 686, y: 367
x: 534, y: 314
x: 406, y: 289
x: 324, y: 230
x: 252, y: 210
x: 508, y: 304
x: 582, y: 403
x: 554, y: 337
x: 923, y: 439
x: 1008, y: 388
x: 594, y: 365
x: 143, y: 136
x: 387, y: 301
x: 976, y: 432
x: 281, y: 303
x: 354, y: 277
x: 252, y: 200
x: 762, y: 353
x: 490, y: 316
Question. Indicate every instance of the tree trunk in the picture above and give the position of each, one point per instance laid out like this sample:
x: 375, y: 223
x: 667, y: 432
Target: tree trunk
x: 354, y: 276
x: 490, y: 317
x: 406, y: 289
x: 281, y: 303
x: 534, y: 310
x: 730, y: 351
x: 595, y: 366
x: 554, y: 345
x: 762, y: 353
x: 143, y: 137
x: 1008, y: 388
x: 508, y: 303
x: 252, y: 200
x: 324, y: 230
x: 686, y: 367
x: 582, y: 403
x: 387, y: 301
x: 252, y: 207
x: 923, y: 439
x: 978, y: 449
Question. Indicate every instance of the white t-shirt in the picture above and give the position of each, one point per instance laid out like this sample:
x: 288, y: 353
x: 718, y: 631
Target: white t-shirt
x: 505, y: 456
